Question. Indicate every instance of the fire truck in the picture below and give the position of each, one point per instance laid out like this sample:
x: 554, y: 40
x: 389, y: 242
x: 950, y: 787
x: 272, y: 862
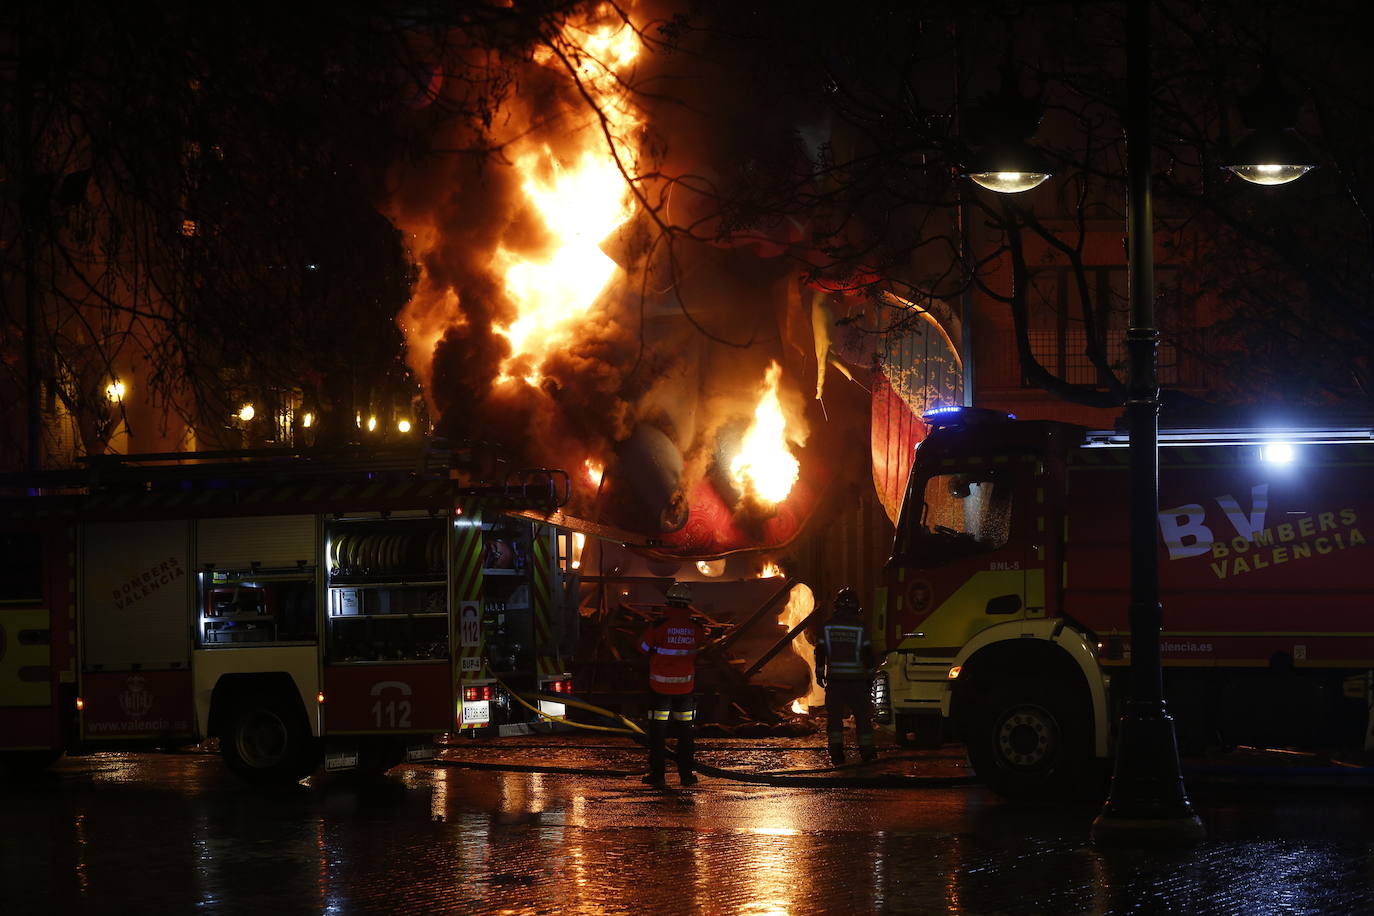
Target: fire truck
x: 341, y: 607
x: 1005, y: 601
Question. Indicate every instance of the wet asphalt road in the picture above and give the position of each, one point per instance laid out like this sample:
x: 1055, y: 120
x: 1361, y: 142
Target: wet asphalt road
x: 174, y: 833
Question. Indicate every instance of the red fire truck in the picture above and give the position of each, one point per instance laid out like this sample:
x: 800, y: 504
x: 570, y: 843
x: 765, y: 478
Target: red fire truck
x: 342, y: 607
x: 1005, y: 600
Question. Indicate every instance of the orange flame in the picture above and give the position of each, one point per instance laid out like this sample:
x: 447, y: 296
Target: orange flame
x: 580, y: 206
x: 800, y: 603
x: 580, y: 201
x: 765, y: 465
x: 594, y: 470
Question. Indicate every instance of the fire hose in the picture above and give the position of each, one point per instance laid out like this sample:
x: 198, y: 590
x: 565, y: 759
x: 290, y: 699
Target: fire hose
x: 796, y: 778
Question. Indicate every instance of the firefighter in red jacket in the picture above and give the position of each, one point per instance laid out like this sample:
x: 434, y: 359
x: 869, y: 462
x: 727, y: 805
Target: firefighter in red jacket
x: 673, y: 646
x: 844, y: 667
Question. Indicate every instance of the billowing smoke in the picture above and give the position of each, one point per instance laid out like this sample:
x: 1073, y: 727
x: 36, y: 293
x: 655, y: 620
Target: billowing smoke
x: 661, y: 366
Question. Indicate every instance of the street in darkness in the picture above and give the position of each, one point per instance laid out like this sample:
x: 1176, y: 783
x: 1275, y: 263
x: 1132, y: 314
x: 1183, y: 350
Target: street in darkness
x: 175, y: 833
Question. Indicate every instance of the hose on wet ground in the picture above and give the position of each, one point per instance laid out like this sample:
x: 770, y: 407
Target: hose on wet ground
x: 779, y: 778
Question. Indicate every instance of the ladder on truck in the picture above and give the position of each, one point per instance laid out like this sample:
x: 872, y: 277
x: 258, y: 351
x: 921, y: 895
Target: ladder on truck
x: 462, y: 471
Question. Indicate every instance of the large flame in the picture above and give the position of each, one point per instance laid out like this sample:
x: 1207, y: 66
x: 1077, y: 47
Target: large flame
x: 580, y: 201
x: 800, y: 603
x: 594, y: 469
x: 765, y: 465
x: 580, y: 205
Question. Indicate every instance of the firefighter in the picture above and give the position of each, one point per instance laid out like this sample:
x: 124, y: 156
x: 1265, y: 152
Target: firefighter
x: 844, y: 668
x: 672, y: 646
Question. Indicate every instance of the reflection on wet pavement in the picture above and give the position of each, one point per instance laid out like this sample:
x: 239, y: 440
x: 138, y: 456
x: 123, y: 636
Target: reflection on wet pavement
x: 173, y: 833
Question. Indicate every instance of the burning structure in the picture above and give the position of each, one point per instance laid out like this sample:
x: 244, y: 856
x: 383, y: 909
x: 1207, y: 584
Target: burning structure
x: 581, y: 301
x: 585, y: 300
x: 549, y: 316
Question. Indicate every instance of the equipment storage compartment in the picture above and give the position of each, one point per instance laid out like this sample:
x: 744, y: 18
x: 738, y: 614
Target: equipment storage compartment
x: 257, y: 606
x: 387, y: 589
x: 508, y: 615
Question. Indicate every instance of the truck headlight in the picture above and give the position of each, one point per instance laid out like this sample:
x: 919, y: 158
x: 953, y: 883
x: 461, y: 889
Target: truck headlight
x: 882, y: 701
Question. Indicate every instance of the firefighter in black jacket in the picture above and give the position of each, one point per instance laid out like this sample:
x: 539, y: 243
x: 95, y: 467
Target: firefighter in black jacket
x: 844, y: 667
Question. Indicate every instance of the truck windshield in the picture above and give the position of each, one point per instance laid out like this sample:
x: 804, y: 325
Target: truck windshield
x: 958, y: 514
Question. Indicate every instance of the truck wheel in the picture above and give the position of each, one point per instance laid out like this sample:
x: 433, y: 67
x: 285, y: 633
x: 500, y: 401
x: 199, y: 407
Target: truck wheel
x: 1025, y: 739
x: 267, y: 742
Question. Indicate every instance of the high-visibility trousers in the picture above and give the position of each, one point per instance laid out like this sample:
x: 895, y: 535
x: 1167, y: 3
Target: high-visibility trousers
x: 678, y: 711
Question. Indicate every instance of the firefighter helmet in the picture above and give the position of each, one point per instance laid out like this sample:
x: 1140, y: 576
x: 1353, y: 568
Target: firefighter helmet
x: 679, y: 595
x: 846, y: 601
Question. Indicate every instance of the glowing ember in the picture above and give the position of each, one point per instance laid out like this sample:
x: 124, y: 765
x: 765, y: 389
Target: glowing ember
x: 800, y: 603
x: 765, y: 466
x: 711, y: 569
x: 579, y: 542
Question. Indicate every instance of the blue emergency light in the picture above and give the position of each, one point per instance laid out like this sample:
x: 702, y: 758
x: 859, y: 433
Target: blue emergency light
x: 957, y: 415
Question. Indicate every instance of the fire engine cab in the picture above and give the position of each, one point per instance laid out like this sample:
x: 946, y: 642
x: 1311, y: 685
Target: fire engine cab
x: 1004, y: 604
x: 300, y: 607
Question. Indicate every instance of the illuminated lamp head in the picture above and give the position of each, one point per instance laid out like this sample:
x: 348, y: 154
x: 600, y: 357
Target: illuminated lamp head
x: 999, y: 128
x: 1271, y: 156
x: 1273, y: 153
x: 1009, y: 168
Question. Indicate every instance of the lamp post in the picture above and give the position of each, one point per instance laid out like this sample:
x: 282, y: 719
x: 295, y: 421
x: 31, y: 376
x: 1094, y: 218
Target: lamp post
x: 1148, y: 803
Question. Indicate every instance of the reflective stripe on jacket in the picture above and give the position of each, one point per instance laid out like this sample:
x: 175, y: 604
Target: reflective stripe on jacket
x: 845, y: 650
x: 674, y: 645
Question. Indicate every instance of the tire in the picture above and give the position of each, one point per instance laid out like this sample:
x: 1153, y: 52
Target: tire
x: 267, y: 742
x: 1027, y: 739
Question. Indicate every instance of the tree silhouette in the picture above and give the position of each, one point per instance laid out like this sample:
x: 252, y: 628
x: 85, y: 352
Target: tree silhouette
x: 198, y: 191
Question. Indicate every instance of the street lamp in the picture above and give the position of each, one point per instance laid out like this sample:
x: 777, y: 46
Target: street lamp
x: 1271, y: 156
x: 1000, y: 126
x: 1009, y: 169
x: 1273, y: 153
x: 1148, y: 803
